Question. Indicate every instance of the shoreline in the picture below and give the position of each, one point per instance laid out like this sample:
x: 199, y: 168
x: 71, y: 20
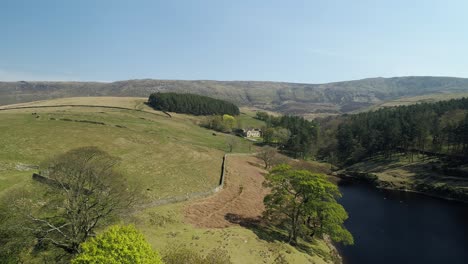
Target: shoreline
x: 385, y: 186
x: 423, y: 193
x: 335, y: 254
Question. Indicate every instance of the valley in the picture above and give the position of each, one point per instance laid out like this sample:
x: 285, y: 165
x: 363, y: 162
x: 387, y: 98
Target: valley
x: 174, y: 163
x: 233, y: 132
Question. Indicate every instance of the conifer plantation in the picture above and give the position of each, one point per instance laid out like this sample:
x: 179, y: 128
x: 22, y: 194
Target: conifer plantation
x: 191, y: 104
x: 295, y: 135
x: 439, y: 129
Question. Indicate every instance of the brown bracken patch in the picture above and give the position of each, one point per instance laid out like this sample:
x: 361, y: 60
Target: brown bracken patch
x: 241, y: 197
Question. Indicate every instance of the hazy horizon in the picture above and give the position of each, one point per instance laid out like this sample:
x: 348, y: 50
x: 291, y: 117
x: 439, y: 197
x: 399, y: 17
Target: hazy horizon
x: 215, y: 80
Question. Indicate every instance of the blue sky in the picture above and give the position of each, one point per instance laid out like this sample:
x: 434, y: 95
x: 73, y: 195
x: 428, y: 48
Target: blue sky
x: 296, y: 41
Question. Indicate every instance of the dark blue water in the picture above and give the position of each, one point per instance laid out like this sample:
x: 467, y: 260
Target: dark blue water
x: 399, y: 227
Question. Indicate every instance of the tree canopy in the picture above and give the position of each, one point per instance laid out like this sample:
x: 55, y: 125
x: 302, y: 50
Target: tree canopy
x: 305, y: 204
x: 432, y: 128
x: 191, y: 104
x: 225, y: 123
x: 117, y: 245
x: 294, y: 134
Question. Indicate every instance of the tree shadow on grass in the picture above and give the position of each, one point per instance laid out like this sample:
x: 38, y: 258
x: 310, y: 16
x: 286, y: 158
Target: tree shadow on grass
x: 268, y: 232
x: 256, y: 164
x: 258, y: 226
x: 260, y: 144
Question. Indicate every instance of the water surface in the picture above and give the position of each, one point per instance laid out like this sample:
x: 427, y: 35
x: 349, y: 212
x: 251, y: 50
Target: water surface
x: 400, y: 227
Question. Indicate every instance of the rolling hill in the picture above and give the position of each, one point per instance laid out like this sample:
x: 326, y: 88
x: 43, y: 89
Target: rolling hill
x: 168, y: 158
x: 291, y: 98
x: 142, y: 138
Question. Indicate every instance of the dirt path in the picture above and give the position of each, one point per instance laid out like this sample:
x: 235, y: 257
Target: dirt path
x: 241, y: 197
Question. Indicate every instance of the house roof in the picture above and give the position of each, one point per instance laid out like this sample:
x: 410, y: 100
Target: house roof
x: 251, y: 129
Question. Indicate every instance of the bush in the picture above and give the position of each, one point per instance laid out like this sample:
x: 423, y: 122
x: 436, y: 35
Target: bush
x: 119, y: 245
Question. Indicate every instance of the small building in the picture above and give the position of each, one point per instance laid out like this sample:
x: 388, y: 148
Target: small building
x: 252, y: 133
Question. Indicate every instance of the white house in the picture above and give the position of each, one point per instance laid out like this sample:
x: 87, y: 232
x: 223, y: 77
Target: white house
x: 252, y: 132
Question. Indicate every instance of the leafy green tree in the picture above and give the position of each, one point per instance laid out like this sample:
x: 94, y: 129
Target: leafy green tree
x: 267, y: 134
x: 346, y: 142
x: 281, y: 136
x: 305, y: 204
x: 262, y: 116
x: 214, y: 122
x: 117, y: 245
x: 294, y: 134
x: 229, y: 122
x: 303, y: 134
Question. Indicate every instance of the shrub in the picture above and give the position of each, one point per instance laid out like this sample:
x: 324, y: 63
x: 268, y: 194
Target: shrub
x: 119, y: 245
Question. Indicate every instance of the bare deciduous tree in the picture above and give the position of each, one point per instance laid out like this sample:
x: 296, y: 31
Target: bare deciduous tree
x: 83, y: 191
x: 267, y: 155
x: 231, y: 143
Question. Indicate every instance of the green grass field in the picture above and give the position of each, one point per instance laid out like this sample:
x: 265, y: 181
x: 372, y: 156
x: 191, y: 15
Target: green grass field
x: 246, y: 121
x: 164, y: 226
x: 169, y: 156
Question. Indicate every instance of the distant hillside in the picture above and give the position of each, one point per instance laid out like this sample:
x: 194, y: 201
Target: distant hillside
x: 292, y: 98
x: 427, y: 98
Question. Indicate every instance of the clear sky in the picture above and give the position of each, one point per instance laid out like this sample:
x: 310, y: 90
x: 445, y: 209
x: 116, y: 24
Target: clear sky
x: 297, y: 41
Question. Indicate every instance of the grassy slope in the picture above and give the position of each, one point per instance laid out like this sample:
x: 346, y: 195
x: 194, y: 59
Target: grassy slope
x: 247, y: 120
x: 129, y: 102
x: 243, y: 245
x: 169, y: 156
x: 399, y: 173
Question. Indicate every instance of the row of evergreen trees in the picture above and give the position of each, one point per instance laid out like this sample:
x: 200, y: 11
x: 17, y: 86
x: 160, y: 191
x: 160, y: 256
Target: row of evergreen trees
x: 191, y: 104
x: 300, y: 137
x: 433, y: 128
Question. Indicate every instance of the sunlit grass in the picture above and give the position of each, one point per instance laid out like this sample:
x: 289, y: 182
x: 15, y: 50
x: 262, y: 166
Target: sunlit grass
x: 168, y: 156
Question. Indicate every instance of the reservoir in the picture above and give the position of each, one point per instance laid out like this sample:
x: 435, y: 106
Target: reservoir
x: 400, y: 227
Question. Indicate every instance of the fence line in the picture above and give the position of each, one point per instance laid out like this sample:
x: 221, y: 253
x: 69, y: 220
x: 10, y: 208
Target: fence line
x: 170, y: 200
x: 194, y: 195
